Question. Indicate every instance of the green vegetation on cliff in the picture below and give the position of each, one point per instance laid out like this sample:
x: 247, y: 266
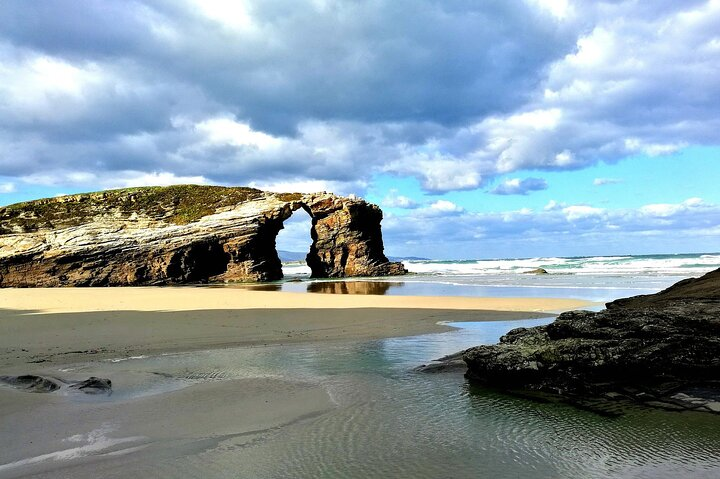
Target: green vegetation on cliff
x: 178, y: 204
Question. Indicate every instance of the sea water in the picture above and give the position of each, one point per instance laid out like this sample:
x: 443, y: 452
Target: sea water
x: 596, y: 278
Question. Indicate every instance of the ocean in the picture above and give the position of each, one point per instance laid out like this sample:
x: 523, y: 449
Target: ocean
x: 592, y: 278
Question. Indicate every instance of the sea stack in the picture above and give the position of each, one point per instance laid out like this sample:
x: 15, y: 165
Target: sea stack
x: 182, y: 234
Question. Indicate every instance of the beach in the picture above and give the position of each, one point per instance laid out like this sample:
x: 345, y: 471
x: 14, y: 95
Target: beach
x: 69, y: 324
x: 224, y: 382
x: 156, y: 413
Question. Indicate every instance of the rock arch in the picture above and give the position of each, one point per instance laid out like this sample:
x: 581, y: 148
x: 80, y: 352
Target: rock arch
x: 101, y: 241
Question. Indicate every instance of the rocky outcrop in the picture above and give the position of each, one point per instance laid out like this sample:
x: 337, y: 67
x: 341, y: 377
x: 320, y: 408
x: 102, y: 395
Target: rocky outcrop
x: 42, y: 384
x: 663, y: 350
x: 346, y: 239
x: 536, y: 271
x: 696, y: 290
x: 182, y: 234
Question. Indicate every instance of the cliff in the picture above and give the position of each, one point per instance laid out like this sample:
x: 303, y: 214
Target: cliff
x: 660, y: 349
x: 182, y: 234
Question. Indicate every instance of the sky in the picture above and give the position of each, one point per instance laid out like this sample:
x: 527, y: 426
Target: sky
x: 483, y: 128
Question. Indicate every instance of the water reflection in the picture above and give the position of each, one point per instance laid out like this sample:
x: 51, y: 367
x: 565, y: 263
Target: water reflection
x: 352, y: 287
x: 325, y: 287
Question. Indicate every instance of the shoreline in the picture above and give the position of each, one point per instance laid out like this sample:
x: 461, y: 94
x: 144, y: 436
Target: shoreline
x: 45, y: 326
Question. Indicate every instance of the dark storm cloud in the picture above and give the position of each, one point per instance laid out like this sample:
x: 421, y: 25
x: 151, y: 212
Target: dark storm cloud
x: 363, y: 61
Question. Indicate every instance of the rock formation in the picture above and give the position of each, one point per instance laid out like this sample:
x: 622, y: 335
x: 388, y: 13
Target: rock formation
x: 182, y: 234
x: 696, y: 290
x: 41, y: 384
x: 661, y: 349
x: 536, y: 271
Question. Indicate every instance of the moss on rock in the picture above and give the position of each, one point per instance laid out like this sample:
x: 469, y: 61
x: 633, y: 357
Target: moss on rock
x: 178, y: 204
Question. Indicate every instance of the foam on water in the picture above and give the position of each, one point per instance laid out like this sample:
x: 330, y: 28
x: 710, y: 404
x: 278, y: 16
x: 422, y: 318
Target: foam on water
x: 591, y: 278
x: 676, y: 265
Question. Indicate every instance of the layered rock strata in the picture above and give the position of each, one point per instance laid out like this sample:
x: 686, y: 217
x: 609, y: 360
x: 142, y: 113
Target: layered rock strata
x: 182, y: 234
x: 662, y: 349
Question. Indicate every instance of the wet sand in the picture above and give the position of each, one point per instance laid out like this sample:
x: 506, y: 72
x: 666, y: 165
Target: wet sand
x: 68, y: 333
x: 71, y: 324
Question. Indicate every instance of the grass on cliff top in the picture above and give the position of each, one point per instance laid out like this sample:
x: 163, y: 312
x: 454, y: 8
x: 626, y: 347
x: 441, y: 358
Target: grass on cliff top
x: 178, y: 204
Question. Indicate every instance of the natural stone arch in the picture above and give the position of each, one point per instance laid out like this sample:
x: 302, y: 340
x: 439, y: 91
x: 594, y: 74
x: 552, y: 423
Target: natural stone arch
x: 182, y: 234
x: 346, y: 238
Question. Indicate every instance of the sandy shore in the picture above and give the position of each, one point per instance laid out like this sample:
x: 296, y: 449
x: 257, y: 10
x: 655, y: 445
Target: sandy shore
x: 66, y: 324
x: 168, y: 417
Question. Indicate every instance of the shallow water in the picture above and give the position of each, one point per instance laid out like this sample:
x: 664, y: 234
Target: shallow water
x: 390, y: 421
x: 584, y: 288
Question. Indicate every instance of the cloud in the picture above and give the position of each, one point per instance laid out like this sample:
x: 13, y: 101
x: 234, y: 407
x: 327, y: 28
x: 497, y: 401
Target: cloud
x: 516, y: 186
x: 449, y: 93
x: 122, y: 179
x: 579, y: 212
x: 395, y: 200
x: 7, y: 187
x: 606, y: 181
x: 444, y: 206
x: 439, y: 208
x: 553, y: 205
x: 666, y: 210
x: 690, y: 225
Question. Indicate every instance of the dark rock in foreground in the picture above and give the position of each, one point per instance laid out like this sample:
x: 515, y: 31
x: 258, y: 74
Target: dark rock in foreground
x: 182, y: 234
x: 93, y: 385
x: 30, y: 383
x: 451, y: 362
x: 662, y: 350
x: 41, y: 384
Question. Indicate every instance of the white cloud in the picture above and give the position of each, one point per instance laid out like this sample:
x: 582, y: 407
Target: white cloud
x: 7, y: 187
x: 578, y: 212
x: 664, y: 210
x: 606, y: 181
x: 445, y: 206
x: 395, y: 200
x: 46, y: 88
x: 517, y: 186
x: 634, y: 145
x: 301, y: 186
x: 121, y: 179
x: 560, y: 9
x: 438, y: 208
x: 158, y: 179
x: 234, y: 15
x: 553, y: 205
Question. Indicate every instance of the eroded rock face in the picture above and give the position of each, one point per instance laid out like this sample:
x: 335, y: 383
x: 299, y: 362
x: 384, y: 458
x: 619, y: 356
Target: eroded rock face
x: 181, y: 234
x: 661, y: 350
x: 346, y: 239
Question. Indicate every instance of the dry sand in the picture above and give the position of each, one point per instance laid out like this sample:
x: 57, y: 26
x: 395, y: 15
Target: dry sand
x: 66, y: 324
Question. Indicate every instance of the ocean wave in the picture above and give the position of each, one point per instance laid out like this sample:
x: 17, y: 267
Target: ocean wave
x: 650, y: 265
